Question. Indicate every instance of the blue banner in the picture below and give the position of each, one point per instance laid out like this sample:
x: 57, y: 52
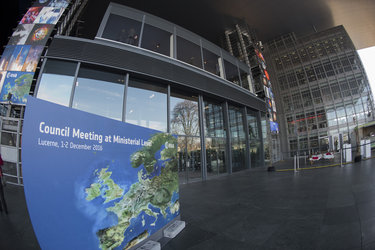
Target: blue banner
x: 92, y: 182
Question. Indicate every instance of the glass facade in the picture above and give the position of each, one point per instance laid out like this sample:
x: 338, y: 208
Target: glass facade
x: 238, y: 139
x: 127, y: 26
x: 322, y: 87
x: 185, y: 94
x: 124, y: 97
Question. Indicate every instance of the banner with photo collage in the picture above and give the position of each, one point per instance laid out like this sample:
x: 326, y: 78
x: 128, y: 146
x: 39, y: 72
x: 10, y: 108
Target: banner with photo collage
x: 22, y: 53
x: 270, y: 99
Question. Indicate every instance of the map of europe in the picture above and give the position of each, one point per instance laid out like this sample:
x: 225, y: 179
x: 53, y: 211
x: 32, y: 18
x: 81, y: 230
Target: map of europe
x: 145, y: 205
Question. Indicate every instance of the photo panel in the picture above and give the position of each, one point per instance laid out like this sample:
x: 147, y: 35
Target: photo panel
x: 32, y: 58
x: 41, y: 3
x: 18, y: 57
x: 273, y: 105
x: 49, y: 15
x: 4, y: 61
x: 40, y: 34
x: 21, y: 34
x: 266, y: 91
x: 18, y: 85
x: 31, y: 15
x: 2, y: 78
x: 59, y: 3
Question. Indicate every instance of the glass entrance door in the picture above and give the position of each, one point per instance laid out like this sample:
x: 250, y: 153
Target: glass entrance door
x: 189, y: 158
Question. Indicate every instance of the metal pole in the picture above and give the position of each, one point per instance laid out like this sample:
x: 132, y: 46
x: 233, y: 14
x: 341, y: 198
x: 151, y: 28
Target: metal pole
x: 295, y: 163
x: 305, y: 160
x: 297, y: 160
x: 341, y: 156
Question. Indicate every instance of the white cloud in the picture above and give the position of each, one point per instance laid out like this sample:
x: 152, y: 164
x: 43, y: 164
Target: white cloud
x: 368, y: 60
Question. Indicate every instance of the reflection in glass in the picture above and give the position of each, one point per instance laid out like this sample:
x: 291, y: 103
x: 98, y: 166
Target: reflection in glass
x: 147, y: 105
x: 213, y: 120
x: 215, y: 154
x: 122, y: 29
x: 156, y: 39
x: 255, y: 153
x: 211, y: 62
x: 238, y: 138
x: 245, y: 80
x: 99, y: 92
x: 189, y: 52
x: 231, y: 73
x: 252, y: 122
x: 188, y: 158
x: 184, y: 115
x: 254, y: 139
x: 57, y: 81
x: 215, y: 138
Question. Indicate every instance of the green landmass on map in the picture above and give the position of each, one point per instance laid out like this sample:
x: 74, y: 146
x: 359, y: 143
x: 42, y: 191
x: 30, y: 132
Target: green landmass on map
x: 20, y: 89
x: 156, y: 191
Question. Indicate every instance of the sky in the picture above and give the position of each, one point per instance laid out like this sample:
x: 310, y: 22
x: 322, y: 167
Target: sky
x: 367, y: 56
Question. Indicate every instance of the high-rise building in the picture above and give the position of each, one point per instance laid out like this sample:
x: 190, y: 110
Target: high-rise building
x: 321, y: 90
x: 242, y: 42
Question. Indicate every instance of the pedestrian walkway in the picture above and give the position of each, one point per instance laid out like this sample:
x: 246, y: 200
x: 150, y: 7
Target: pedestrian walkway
x: 327, y: 208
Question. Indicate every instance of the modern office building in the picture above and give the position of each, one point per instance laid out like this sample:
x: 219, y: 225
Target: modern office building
x: 142, y: 70
x: 321, y: 90
x: 242, y: 42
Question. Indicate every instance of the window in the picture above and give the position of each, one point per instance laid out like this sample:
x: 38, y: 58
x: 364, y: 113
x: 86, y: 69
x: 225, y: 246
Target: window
x: 184, y: 114
x: 215, y: 138
x: 189, y: 52
x: 146, y: 105
x: 245, y: 80
x: 213, y: 120
x: 211, y: 62
x: 57, y: 81
x: 156, y: 39
x: 99, y: 92
x: 122, y: 29
x: 238, y: 138
x: 231, y: 73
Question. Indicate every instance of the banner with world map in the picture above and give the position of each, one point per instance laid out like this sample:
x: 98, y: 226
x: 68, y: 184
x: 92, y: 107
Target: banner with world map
x: 95, y: 183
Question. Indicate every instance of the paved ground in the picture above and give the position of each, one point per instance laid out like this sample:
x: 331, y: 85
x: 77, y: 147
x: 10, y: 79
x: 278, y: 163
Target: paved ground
x: 327, y: 208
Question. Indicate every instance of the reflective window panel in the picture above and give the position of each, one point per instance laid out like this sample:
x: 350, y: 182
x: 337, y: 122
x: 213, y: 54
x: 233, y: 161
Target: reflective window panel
x: 189, y: 158
x: 156, y: 39
x: 122, y: 29
x: 231, y: 73
x: 146, y: 105
x: 215, y: 156
x: 99, y: 92
x: 211, y: 62
x: 213, y: 120
x: 184, y: 116
x: 238, y: 138
x: 57, y: 81
x: 189, y: 52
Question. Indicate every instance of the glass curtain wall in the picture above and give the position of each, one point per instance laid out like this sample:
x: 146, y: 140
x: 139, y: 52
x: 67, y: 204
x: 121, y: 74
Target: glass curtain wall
x: 184, y: 122
x: 108, y: 93
x: 215, y: 138
x: 254, y: 139
x: 238, y: 138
